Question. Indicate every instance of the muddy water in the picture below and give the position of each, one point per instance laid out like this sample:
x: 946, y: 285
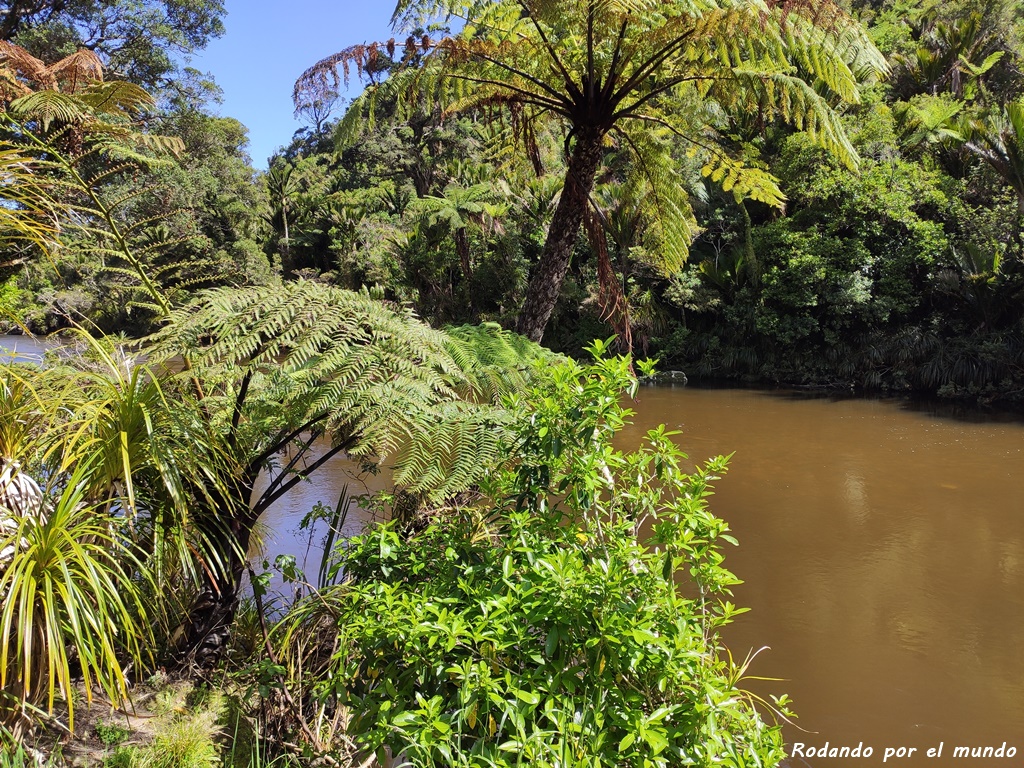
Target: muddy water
x: 883, y: 554
x: 882, y: 550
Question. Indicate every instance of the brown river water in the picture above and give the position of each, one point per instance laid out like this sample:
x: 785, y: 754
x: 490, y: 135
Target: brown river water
x: 882, y: 550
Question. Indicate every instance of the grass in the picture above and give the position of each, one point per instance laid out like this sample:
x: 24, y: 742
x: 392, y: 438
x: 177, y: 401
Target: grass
x: 123, y: 757
x: 185, y: 742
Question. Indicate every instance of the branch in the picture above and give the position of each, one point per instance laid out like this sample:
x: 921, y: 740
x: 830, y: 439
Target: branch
x: 656, y: 120
x: 558, y: 95
x: 299, y: 454
x: 650, y: 66
x: 590, y: 50
x: 236, y: 417
x: 609, y: 84
x: 667, y: 86
x: 531, y: 98
x: 265, y: 501
x: 282, y: 682
x: 282, y: 441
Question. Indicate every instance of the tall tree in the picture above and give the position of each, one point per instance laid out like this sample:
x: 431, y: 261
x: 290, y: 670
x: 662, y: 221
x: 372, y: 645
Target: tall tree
x: 137, y: 40
x: 618, y: 72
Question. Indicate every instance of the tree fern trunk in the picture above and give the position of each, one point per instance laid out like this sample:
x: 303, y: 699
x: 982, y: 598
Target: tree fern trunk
x: 462, y: 248
x: 546, y: 284
x: 206, y: 633
x: 286, y: 256
x: 753, y: 265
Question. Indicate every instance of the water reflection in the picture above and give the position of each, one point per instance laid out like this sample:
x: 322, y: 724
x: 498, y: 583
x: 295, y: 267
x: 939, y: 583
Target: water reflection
x: 22, y: 349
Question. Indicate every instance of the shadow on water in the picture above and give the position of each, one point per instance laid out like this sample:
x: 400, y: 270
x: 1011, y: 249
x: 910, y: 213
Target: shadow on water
x: 967, y: 411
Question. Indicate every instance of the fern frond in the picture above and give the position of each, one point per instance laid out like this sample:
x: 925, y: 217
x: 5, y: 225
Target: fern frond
x: 655, y: 187
x: 117, y: 97
x: 20, y: 61
x: 48, y: 107
x: 359, y: 369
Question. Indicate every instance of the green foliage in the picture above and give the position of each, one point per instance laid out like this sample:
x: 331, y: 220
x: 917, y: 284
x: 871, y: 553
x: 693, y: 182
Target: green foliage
x: 122, y: 757
x: 66, y: 585
x: 849, y: 283
x: 638, y: 77
x: 186, y: 742
x: 572, y: 617
x: 111, y: 734
x: 140, y: 39
x: 375, y: 378
x: 11, y: 298
x: 110, y: 528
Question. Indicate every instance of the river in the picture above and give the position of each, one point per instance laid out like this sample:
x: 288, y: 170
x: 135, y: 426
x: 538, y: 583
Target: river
x: 882, y: 549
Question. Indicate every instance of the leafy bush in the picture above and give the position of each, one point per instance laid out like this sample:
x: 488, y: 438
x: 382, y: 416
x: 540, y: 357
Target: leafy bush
x: 572, y: 618
x: 111, y: 734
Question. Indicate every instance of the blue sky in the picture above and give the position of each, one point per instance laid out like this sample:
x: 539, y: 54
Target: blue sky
x: 268, y: 44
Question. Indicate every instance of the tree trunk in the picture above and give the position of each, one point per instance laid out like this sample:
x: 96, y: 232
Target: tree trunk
x: 286, y: 256
x: 210, y: 618
x: 462, y: 248
x: 546, y: 284
x: 749, y: 252
x: 207, y: 629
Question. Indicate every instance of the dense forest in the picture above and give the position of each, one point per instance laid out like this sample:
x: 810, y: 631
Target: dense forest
x: 727, y: 245
x: 797, y: 192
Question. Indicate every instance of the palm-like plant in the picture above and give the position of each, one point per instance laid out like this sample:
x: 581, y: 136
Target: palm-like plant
x: 952, y: 56
x: 998, y: 139
x: 455, y: 210
x: 71, y: 91
x: 69, y: 591
x: 20, y: 495
x: 280, y: 368
x: 282, y: 189
x: 612, y: 72
x: 67, y: 134
x: 26, y: 215
x: 70, y: 582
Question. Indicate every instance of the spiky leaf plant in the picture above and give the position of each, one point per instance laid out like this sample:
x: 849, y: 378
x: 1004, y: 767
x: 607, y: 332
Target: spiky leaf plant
x: 101, y: 472
x: 997, y: 137
x: 69, y: 600
x: 27, y: 219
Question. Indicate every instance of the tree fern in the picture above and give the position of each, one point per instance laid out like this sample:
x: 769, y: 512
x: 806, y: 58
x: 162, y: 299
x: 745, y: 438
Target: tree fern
x: 343, y: 364
x: 84, y: 184
x: 616, y: 66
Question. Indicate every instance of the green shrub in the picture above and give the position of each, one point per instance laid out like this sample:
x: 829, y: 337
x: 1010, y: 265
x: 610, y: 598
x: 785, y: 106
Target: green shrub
x: 111, y: 734
x: 186, y: 742
x: 572, y: 619
x: 123, y: 757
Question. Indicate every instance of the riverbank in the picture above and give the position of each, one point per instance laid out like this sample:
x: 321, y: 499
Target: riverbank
x: 987, y: 370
